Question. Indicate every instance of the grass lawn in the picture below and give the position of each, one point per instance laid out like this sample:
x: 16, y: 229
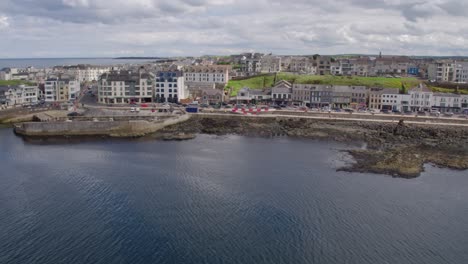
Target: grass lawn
x: 447, y: 90
x: 267, y: 81
x: 14, y: 82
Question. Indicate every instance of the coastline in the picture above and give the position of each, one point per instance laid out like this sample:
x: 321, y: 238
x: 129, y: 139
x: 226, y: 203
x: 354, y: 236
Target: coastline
x: 396, y: 149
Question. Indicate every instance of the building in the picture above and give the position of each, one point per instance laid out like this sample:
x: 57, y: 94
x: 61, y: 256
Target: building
x: 390, y: 66
x: 301, y: 94
x: 392, y: 100
x: 445, y: 102
x: 212, y: 96
x: 321, y: 96
x: 247, y: 95
x: 358, y: 97
x: 461, y: 72
x: 61, y: 89
x: 251, y: 63
x: 18, y: 95
x: 170, y: 86
x: 123, y: 87
x: 218, y: 74
x: 270, y: 64
x: 281, y: 93
x: 375, y: 98
x: 336, y: 69
x: 442, y: 71
x: 420, y: 98
x: 303, y: 65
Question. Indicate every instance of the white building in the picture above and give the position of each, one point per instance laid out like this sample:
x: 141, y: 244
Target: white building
x: 461, y: 72
x: 170, y: 87
x: 20, y: 95
x: 394, y: 101
x: 281, y: 93
x: 207, y: 74
x: 90, y: 74
x: 446, y: 102
x: 123, y: 87
x: 82, y: 73
x: 420, y: 98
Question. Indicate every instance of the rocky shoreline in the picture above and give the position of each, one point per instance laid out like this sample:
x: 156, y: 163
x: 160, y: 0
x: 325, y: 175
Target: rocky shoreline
x: 395, y: 149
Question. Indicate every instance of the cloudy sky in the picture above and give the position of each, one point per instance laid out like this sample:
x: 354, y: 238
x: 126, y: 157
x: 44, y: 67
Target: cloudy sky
x: 108, y: 28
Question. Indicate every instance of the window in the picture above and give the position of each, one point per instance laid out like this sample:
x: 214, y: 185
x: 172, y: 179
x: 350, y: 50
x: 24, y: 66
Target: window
x: 170, y: 90
x: 175, y: 90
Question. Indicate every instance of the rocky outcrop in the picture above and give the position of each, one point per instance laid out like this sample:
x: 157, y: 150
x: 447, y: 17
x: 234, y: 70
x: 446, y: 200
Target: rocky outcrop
x: 396, y: 149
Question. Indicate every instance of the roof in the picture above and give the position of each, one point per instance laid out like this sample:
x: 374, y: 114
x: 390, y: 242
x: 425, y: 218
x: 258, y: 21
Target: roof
x: 283, y: 83
x: 208, y: 69
x: 4, y: 88
x: 212, y: 91
x: 446, y: 95
x: 381, y: 91
x: 121, y: 76
x: 281, y: 90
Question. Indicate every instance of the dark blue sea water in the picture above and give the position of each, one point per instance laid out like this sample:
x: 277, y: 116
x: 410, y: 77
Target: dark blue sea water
x: 220, y: 200
x: 45, y: 63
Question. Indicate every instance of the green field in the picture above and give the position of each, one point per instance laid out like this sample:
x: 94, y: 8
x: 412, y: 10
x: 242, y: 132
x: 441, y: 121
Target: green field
x: 447, y: 90
x: 267, y: 81
x: 13, y: 83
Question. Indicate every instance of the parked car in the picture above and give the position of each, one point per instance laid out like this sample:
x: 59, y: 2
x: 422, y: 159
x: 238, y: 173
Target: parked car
x: 385, y: 111
x: 349, y: 110
x: 396, y: 112
x: 408, y: 113
x: 422, y: 113
x: 72, y: 114
x: 448, y: 114
x: 275, y: 106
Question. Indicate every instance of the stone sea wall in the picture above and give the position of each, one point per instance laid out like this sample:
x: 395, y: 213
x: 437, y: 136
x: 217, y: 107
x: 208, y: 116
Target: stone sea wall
x: 131, y: 128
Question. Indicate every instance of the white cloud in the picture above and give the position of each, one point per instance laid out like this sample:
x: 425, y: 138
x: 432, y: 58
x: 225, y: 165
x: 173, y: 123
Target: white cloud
x: 4, y: 22
x: 194, y: 27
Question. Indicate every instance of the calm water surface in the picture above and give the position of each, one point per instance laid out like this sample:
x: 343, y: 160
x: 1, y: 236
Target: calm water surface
x: 220, y: 200
x: 45, y: 63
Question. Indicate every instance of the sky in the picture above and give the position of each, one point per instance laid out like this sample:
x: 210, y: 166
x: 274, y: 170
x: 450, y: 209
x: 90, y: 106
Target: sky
x: 112, y: 28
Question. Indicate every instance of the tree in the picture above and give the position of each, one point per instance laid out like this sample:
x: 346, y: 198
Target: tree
x: 403, y: 89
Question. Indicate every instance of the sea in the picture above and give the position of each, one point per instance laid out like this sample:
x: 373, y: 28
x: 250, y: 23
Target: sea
x: 51, y: 62
x: 220, y: 199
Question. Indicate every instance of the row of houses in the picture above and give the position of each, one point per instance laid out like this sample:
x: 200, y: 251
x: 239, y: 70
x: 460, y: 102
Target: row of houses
x: 448, y: 70
x: 419, y: 98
